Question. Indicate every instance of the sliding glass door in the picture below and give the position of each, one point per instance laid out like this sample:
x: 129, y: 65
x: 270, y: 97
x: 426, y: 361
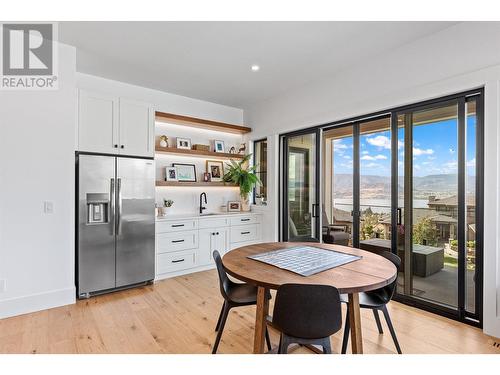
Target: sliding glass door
x: 439, y: 239
x: 301, y: 221
x: 375, y: 183
x: 407, y: 181
x: 357, y: 184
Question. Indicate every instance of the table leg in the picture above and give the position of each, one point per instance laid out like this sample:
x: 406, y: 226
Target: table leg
x: 355, y: 322
x: 260, y: 320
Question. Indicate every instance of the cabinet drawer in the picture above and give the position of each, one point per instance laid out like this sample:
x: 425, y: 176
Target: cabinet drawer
x: 171, y: 262
x: 214, y: 222
x: 176, y: 225
x: 243, y: 233
x: 169, y: 242
x: 241, y: 220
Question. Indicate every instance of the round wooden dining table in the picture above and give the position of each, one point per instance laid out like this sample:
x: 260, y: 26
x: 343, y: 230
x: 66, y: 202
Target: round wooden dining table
x: 370, y: 272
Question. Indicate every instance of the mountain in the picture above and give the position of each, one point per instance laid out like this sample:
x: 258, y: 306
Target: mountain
x: 379, y: 187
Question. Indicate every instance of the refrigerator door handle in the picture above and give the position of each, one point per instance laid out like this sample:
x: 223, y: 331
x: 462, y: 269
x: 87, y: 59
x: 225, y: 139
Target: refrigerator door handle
x: 119, y: 207
x: 112, y: 206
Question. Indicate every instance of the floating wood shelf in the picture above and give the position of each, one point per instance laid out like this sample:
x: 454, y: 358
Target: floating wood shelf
x: 198, y: 183
x: 197, y: 153
x: 201, y: 123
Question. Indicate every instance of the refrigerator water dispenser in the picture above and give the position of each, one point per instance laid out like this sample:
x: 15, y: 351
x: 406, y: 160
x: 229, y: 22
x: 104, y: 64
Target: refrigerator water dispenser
x: 97, y: 208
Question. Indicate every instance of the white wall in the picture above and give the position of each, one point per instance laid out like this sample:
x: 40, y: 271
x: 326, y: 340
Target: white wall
x: 37, y: 145
x: 187, y: 199
x: 460, y: 58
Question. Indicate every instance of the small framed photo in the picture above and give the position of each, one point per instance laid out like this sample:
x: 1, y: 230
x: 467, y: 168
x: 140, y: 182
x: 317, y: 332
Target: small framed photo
x: 216, y: 170
x: 219, y: 146
x: 184, y: 143
x: 207, y: 177
x: 234, y: 206
x: 171, y: 174
x: 185, y: 172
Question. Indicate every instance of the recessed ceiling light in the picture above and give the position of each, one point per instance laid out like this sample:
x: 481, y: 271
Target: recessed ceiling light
x: 255, y: 68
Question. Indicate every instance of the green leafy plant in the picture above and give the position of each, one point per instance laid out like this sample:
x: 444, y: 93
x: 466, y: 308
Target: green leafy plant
x: 425, y: 232
x: 168, y: 202
x: 239, y: 173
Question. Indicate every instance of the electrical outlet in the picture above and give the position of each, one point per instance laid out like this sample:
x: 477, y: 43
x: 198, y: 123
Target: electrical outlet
x: 3, y: 286
x: 48, y: 207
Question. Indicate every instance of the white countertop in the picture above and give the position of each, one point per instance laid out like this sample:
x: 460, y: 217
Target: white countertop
x: 204, y: 216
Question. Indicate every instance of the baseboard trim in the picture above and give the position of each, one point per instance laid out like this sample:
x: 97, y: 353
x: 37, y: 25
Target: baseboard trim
x: 36, y: 302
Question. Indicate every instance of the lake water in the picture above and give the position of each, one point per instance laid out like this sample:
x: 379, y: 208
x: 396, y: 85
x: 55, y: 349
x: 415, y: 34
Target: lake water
x: 376, y: 205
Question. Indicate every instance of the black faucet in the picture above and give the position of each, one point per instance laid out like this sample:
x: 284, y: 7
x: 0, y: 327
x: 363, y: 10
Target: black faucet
x: 201, y: 203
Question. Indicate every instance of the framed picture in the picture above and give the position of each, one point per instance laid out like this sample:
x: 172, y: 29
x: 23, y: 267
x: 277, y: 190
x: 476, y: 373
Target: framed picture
x: 185, y: 172
x: 234, y: 206
x: 219, y: 146
x: 170, y: 174
x: 207, y: 177
x: 216, y: 170
x: 184, y: 143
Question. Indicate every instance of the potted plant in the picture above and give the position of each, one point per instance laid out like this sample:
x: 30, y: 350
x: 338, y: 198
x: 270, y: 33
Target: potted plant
x: 242, y: 175
x: 167, y: 203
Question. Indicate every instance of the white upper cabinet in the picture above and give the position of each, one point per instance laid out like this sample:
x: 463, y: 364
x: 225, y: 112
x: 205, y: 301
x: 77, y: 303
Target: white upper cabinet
x: 97, y: 123
x: 112, y: 125
x: 136, y: 128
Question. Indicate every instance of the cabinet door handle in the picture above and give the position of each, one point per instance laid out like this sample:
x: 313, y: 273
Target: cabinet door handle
x: 122, y: 146
x: 245, y: 232
x: 178, y: 261
x: 115, y: 146
x: 245, y: 219
x: 177, y: 241
x: 177, y: 225
x: 213, y: 233
x: 217, y: 233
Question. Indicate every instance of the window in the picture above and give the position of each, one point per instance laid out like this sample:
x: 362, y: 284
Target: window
x: 260, y: 160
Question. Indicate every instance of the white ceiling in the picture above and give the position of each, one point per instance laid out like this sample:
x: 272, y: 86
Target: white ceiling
x: 211, y: 60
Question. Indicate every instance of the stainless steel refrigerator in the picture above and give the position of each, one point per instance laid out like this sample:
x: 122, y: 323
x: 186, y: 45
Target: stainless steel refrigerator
x: 116, y: 223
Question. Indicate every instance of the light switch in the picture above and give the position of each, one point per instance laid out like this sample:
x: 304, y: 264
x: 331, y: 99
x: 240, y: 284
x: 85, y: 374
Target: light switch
x: 48, y: 207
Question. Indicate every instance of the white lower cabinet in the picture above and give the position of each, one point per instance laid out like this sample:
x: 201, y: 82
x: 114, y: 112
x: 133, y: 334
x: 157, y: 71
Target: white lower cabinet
x: 185, y: 245
x: 176, y: 261
x: 176, y: 241
x: 213, y: 239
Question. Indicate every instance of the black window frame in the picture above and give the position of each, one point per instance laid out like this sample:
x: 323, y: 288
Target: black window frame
x: 476, y: 318
x: 254, y: 163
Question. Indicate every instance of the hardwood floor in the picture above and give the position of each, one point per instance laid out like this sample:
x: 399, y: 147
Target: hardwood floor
x: 178, y: 316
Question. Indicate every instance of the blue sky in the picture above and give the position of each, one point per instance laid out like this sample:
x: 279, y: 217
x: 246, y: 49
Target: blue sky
x: 434, y: 150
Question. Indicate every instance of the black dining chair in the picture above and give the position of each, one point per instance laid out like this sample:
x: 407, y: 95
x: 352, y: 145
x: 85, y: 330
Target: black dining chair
x: 234, y: 295
x: 376, y: 300
x: 307, y: 315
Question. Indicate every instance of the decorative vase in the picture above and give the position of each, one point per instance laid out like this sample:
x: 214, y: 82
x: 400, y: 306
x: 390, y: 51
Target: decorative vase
x: 245, y: 203
x: 164, y: 141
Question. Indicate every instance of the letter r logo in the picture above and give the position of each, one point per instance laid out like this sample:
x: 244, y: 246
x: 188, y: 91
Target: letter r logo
x: 27, y: 49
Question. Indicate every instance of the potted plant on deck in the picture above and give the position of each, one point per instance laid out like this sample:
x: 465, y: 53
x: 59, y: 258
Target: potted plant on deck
x: 242, y: 175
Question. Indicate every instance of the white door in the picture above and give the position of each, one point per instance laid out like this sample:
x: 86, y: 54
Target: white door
x: 206, y: 243
x: 136, y: 128
x: 212, y: 239
x: 97, y: 123
x: 222, y: 240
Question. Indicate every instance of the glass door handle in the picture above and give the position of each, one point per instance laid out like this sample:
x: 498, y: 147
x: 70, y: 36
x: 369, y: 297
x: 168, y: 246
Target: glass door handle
x: 315, y: 209
x: 400, y: 216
